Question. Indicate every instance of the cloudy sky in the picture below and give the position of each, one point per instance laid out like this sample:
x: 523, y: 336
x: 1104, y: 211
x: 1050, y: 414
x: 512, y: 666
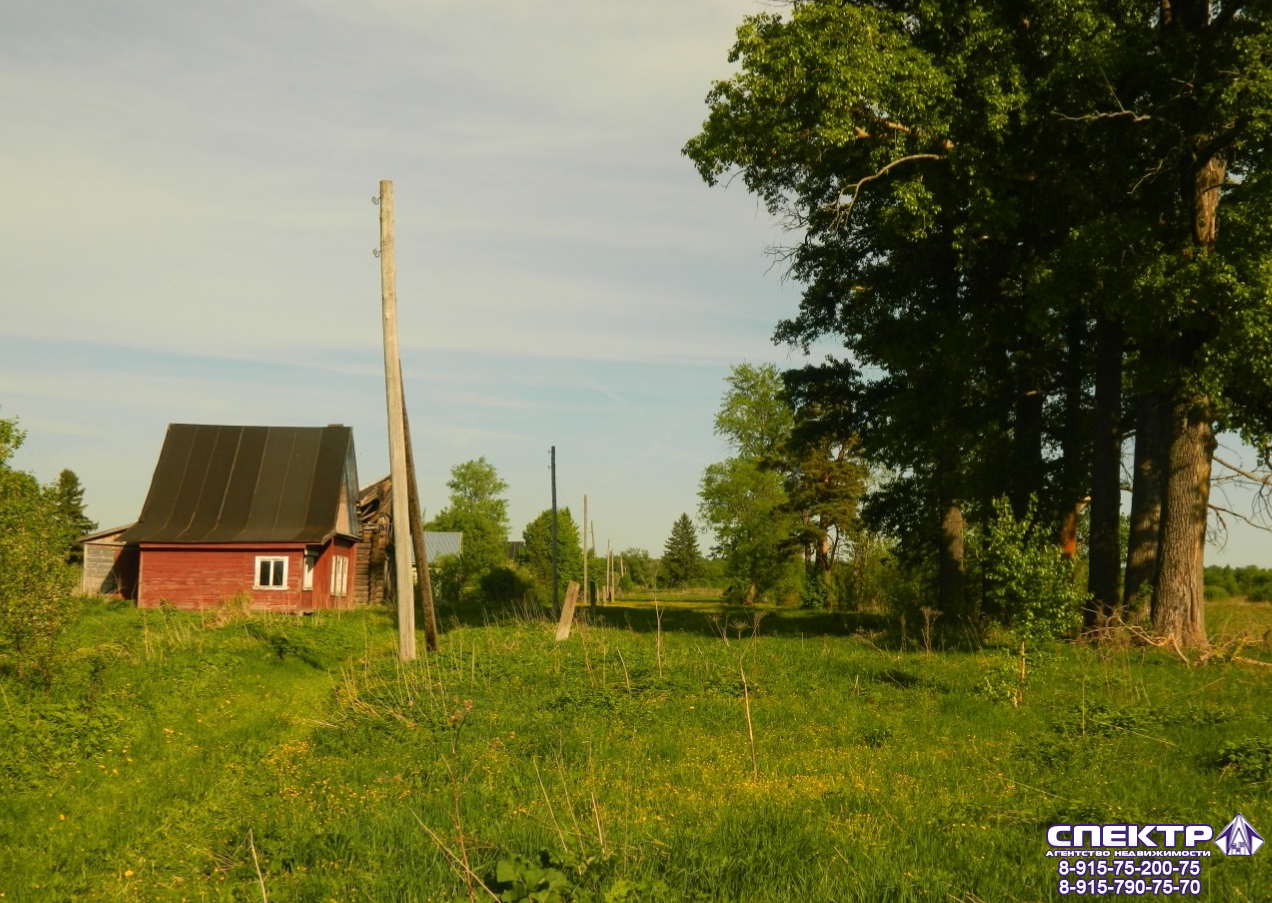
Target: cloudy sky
x: 187, y: 229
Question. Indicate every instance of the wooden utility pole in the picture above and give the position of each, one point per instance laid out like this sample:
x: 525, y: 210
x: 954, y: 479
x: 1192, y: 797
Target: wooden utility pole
x: 397, y: 430
x: 587, y: 593
x: 556, y: 609
x: 417, y: 534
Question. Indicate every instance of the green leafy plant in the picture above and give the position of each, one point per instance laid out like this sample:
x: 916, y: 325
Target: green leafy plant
x: 35, y: 581
x: 517, y: 879
x: 1029, y: 581
x: 1251, y: 757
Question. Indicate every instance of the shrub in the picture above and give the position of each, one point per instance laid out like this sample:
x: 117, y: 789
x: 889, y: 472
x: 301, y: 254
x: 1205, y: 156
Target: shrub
x: 35, y: 581
x: 505, y: 584
x: 1251, y: 757
x: 1027, y: 579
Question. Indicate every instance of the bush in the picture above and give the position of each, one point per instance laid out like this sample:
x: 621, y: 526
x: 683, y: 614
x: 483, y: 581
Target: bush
x: 35, y: 581
x: 505, y: 584
x: 1027, y: 578
x: 1215, y: 593
x: 447, y: 574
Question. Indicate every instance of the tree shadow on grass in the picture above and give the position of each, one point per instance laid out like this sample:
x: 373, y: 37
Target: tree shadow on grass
x: 707, y: 619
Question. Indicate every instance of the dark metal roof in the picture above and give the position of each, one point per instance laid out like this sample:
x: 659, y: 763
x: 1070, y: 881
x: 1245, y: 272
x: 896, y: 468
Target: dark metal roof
x: 250, y: 484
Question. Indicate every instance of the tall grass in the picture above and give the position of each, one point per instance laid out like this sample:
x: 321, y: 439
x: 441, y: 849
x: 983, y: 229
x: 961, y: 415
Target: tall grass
x: 632, y: 762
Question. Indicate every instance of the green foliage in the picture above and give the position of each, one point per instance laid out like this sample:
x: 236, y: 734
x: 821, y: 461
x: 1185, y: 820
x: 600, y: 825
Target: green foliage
x: 1251, y: 757
x: 1251, y: 582
x: 478, y: 509
x: 640, y: 570
x: 70, y: 505
x: 518, y: 879
x: 1027, y: 579
x: 754, y: 418
x: 681, y: 561
x: 970, y: 201
x: 35, y: 581
x: 536, y: 553
x: 744, y: 504
x: 506, y: 584
x: 201, y: 734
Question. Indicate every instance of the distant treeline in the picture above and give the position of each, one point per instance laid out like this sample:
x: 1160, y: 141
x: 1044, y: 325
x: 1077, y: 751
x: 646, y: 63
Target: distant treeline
x: 1252, y: 582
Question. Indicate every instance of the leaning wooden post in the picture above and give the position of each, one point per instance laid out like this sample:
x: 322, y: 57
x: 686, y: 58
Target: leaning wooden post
x: 417, y: 535
x: 397, y: 430
x: 567, y: 612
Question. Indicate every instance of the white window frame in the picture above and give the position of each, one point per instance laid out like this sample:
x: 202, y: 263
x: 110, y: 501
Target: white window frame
x: 310, y: 562
x: 275, y: 561
x: 339, y: 575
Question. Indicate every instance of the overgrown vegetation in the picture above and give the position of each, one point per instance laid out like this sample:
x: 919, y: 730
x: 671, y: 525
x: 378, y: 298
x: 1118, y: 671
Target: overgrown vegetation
x: 1251, y: 583
x: 35, y: 580
x: 175, y: 751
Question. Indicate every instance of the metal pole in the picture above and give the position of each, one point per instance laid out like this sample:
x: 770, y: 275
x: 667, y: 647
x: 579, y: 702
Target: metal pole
x: 556, y: 609
x: 397, y: 430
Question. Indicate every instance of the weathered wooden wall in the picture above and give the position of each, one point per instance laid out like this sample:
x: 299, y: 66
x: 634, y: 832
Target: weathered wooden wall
x: 110, y: 569
x: 204, y: 576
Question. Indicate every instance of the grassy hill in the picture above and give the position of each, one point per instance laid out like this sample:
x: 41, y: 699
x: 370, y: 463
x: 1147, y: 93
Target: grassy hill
x: 186, y: 757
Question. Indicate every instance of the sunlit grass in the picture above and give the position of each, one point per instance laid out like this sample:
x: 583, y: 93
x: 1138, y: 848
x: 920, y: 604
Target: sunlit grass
x: 884, y: 774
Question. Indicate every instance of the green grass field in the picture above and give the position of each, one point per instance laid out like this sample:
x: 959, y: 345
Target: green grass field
x: 174, y: 757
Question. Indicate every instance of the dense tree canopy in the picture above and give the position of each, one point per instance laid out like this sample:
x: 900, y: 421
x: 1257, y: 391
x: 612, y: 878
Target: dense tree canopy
x: 536, y: 552
x: 478, y: 509
x: 1008, y: 217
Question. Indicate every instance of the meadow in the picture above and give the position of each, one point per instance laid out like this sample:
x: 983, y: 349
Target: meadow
x: 696, y: 753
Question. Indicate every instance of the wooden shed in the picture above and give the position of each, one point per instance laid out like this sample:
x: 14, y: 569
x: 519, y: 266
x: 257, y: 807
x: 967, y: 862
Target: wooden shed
x: 266, y: 511
x: 373, y: 581
x: 110, y: 564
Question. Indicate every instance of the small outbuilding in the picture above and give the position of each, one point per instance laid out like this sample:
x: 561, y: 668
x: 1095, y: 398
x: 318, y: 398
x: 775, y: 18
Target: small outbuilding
x: 110, y: 564
x: 263, y: 510
x: 373, y: 581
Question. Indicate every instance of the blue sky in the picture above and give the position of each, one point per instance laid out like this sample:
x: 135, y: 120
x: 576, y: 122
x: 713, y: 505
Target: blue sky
x: 187, y: 235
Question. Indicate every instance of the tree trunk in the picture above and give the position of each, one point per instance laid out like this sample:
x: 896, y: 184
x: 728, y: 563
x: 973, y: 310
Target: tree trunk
x: 1179, y: 597
x: 1151, y: 448
x: 950, y: 593
x: 1106, y: 464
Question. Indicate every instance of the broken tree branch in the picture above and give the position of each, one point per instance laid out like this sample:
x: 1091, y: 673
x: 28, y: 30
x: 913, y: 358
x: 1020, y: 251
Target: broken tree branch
x: 844, y: 208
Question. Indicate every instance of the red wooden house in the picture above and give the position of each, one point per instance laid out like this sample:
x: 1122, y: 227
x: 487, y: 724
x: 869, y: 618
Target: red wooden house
x: 267, y: 511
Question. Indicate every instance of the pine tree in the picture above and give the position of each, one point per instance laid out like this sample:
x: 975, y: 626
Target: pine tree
x: 682, y: 562
x: 69, y: 494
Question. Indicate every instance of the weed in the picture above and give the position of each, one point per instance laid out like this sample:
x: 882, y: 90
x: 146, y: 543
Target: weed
x: 1250, y: 757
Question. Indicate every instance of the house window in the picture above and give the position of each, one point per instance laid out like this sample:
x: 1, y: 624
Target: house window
x: 271, y: 573
x: 339, y: 575
x: 307, y: 580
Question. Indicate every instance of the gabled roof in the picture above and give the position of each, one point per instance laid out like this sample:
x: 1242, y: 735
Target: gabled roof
x: 439, y: 544
x: 250, y: 484
x: 106, y: 535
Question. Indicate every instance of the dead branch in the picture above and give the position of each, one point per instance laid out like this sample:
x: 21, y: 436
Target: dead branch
x: 1220, y: 511
x: 844, y: 209
x: 1264, y: 479
x: 1121, y: 112
x: 1093, y: 117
